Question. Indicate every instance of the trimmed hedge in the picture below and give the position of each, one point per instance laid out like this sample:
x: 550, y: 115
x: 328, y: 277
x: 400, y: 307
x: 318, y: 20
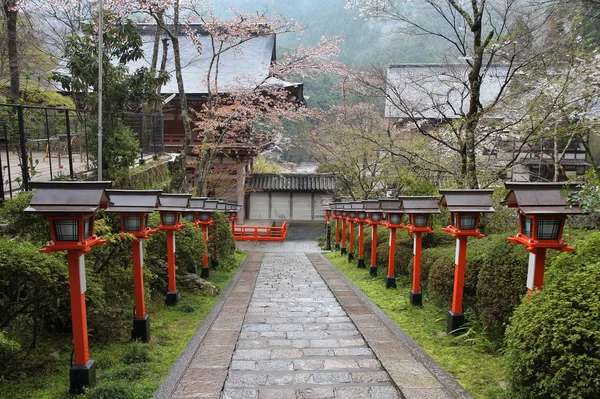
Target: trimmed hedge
x: 553, y: 341
x: 501, y: 283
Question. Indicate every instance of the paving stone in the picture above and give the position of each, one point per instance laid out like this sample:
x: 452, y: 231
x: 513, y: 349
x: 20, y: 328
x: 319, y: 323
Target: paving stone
x: 240, y: 394
x: 411, y: 374
x: 266, y: 393
x: 308, y: 364
x: 370, y: 376
x: 335, y: 364
x: 252, y: 354
x: 243, y: 365
x: 314, y: 393
x: 331, y: 378
x: 353, y: 392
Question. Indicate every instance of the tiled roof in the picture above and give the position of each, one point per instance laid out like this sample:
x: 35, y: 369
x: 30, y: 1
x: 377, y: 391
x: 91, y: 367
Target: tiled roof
x: 314, y: 182
x: 563, y: 162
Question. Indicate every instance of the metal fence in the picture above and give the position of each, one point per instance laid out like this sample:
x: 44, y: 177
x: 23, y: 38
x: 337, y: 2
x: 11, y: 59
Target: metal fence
x: 43, y: 143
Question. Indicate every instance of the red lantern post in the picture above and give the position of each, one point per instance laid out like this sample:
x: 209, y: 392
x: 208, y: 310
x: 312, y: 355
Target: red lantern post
x: 419, y: 210
x: 466, y: 207
x: 337, y: 215
x: 393, y: 214
x: 171, y: 207
x: 70, y: 208
x: 134, y: 206
x: 350, y: 220
x: 327, y: 209
x: 543, y: 210
x: 361, y: 219
x: 345, y: 209
x: 374, y: 218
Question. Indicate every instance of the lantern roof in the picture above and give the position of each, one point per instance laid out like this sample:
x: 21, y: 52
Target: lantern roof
x: 133, y: 201
x: 420, y: 205
x: 391, y: 205
x: 197, y: 204
x: 372, y: 205
x: 211, y: 204
x: 541, y: 198
x: 357, y: 205
x: 479, y: 201
x: 174, y: 202
x: 68, y: 197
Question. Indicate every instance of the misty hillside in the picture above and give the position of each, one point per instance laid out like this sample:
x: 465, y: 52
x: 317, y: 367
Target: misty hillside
x: 365, y: 43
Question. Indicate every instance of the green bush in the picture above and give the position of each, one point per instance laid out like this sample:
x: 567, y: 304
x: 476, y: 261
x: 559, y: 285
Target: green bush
x: 109, y: 390
x: 32, y: 227
x: 9, y: 352
x: 120, y: 147
x: 440, y: 282
x: 404, y: 251
x: 503, y: 220
x: 189, y: 248
x: 224, y: 238
x: 429, y: 257
x: 560, y: 265
x: 553, y: 341
x: 502, y: 283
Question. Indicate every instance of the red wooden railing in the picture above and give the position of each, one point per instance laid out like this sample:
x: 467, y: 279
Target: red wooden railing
x: 260, y: 233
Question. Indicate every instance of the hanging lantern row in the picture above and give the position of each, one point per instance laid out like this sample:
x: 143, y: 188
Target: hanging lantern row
x: 70, y: 208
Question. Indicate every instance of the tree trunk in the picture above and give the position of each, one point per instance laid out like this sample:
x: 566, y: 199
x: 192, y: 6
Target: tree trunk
x: 11, y: 13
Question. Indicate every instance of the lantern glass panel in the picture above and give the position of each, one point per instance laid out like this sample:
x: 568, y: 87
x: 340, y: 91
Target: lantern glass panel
x: 395, y: 218
x: 66, y: 229
x: 467, y: 222
x: 204, y: 216
x: 362, y: 215
x: 548, y: 229
x: 376, y: 217
x: 526, y: 226
x: 344, y: 213
x: 168, y: 218
x: 132, y: 223
x: 88, y: 227
x: 352, y: 215
x: 421, y: 220
x: 189, y: 216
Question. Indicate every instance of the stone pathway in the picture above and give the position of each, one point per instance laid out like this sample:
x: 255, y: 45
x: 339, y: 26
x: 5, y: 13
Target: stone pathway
x: 298, y: 342
x: 291, y: 326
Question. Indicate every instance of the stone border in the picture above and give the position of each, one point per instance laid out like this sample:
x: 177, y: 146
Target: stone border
x: 448, y: 383
x: 170, y: 382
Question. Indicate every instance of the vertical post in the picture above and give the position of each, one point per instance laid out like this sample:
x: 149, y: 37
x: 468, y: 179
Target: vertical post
x: 47, y: 125
x: 83, y: 371
x: 343, y: 250
x: 172, y: 293
x: 361, y: 246
x: 351, y: 241
x: 535, y: 273
x: 7, y: 160
x: 142, y: 143
x: 373, y: 268
x: 337, y: 233
x: 141, y: 321
x: 391, y: 275
x: 456, y: 318
x: 328, y: 235
x: 24, y: 160
x: 69, y: 148
x: 100, y: 73
x: 205, y: 270
x: 416, y: 297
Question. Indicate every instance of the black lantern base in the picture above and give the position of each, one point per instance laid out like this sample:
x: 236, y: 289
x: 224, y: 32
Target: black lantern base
x: 373, y: 270
x: 390, y: 282
x: 416, y: 298
x: 337, y: 246
x: 361, y: 264
x: 172, y: 298
x: 204, y: 272
x: 350, y: 256
x: 455, y: 321
x: 344, y: 251
x: 214, y: 263
x: 82, y: 377
x: 141, y: 329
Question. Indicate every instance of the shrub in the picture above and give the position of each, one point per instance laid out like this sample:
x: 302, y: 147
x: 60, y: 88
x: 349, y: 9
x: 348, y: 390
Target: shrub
x: 109, y: 390
x: 136, y: 353
x: 503, y: 220
x: 404, y: 251
x: 553, y: 341
x: 120, y: 147
x: 189, y: 248
x: 9, y: 351
x: 587, y: 251
x: 224, y: 238
x: 502, y: 283
x: 428, y: 258
x: 31, y: 227
x: 440, y: 282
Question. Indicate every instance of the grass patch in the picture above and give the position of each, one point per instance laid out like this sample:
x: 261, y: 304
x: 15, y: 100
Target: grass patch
x: 468, y: 360
x: 146, y: 365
